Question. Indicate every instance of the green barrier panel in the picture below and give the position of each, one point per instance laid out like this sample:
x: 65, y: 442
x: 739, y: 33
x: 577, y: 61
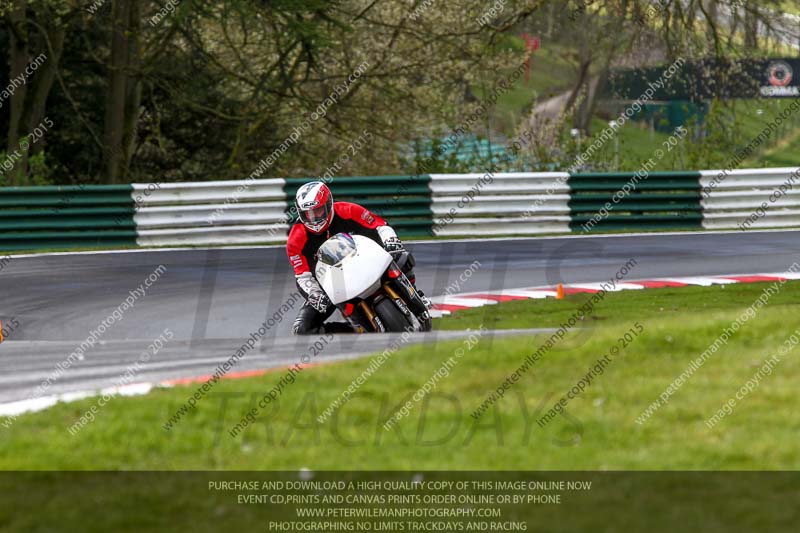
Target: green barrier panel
x: 66, y: 239
x: 84, y: 188
x: 74, y: 216
x: 69, y: 211
x: 62, y: 202
x: 65, y: 196
x: 67, y: 223
x: 616, y: 201
x: 674, y: 221
x: 404, y: 201
x: 606, y: 196
x: 634, y: 206
x: 654, y: 217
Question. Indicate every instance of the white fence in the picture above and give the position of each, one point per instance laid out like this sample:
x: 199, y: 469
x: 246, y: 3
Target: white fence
x: 214, y: 212
x: 751, y: 198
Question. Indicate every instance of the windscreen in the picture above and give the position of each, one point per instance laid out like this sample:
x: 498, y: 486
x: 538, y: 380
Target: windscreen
x: 335, y: 249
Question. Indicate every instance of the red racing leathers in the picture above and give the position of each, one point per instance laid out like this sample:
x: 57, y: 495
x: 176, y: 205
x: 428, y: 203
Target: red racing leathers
x: 302, y: 247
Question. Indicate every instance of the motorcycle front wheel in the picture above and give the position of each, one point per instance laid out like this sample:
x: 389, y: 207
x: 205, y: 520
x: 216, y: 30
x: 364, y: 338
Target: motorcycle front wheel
x: 393, y: 319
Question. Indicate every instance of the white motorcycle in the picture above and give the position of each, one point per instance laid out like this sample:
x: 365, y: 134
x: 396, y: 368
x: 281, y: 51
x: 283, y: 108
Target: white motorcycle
x: 368, y: 286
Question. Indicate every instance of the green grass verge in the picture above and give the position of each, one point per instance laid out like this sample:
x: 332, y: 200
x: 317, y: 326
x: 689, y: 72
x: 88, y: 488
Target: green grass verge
x: 638, y: 144
x: 616, y: 307
x: 598, y: 432
x: 785, y: 154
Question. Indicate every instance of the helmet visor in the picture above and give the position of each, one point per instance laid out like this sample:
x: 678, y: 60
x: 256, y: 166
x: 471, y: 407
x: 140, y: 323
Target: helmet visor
x: 316, y: 217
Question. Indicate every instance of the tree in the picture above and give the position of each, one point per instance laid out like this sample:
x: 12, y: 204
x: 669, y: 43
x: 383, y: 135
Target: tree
x: 36, y: 33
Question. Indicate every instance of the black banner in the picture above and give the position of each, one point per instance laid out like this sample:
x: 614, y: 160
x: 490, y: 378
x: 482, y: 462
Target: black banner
x: 750, y: 78
x: 399, y: 501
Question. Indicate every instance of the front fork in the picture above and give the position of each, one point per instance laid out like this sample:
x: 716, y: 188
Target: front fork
x: 406, y: 293
x: 405, y: 296
x: 364, y: 312
x: 371, y: 316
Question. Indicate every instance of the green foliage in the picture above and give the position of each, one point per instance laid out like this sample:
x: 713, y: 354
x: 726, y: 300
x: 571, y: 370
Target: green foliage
x: 226, y: 83
x: 437, y: 155
x: 39, y: 173
x: 713, y: 142
x: 723, y: 130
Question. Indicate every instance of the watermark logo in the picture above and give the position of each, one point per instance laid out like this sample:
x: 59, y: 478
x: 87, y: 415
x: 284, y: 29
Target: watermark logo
x: 780, y: 73
x: 779, y: 76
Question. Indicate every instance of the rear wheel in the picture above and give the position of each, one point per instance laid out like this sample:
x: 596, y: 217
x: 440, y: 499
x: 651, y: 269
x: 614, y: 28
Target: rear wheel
x: 393, y: 319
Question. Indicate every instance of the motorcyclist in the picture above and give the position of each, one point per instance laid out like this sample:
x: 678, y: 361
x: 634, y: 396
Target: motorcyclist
x: 320, y: 218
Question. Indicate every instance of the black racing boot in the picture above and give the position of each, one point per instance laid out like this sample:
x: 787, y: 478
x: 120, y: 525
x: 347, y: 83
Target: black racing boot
x: 337, y: 327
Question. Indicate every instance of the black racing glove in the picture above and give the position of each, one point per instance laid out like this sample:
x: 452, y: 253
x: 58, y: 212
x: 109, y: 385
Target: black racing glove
x: 319, y: 301
x: 394, y: 246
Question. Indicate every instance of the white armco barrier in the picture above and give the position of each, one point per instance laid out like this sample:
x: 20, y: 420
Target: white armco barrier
x: 209, y: 192
x: 751, y: 198
x: 211, y: 212
x: 213, y: 235
x: 514, y: 203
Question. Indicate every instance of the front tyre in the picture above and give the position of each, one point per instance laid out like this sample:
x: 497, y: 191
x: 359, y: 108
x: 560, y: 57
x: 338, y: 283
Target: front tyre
x: 393, y: 319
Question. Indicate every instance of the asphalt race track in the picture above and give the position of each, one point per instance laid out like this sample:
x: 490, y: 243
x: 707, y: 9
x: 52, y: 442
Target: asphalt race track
x: 212, y: 300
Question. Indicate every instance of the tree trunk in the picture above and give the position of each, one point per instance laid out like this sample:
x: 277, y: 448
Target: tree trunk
x: 581, y: 86
x: 751, y: 26
x: 18, y: 57
x: 45, y: 76
x: 584, y: 64
x: 133, y: 96
x: 116, y: 96
x: 589, y: 105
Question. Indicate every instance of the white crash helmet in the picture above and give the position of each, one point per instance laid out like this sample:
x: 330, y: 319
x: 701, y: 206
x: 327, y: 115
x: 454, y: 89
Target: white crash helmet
x: 314, y: 202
